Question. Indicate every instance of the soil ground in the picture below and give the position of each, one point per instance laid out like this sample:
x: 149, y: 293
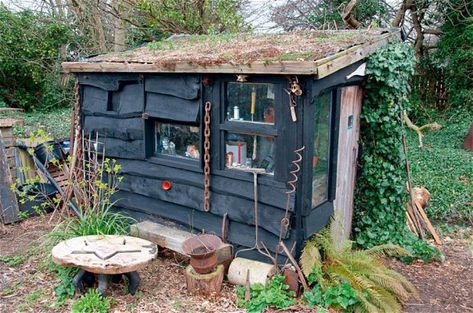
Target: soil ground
x: 28, y: 287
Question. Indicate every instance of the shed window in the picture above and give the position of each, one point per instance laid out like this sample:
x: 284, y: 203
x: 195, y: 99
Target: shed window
x: 177, y: 140
x: 244, y: 151
x: 321, y: 153
x: 250, y: 102
x: 249, y: 126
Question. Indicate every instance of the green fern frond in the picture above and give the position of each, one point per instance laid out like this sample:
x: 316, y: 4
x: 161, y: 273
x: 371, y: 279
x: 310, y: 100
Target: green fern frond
x: 385, y: 301
x: 389, y: 250
x: 377, y: 288
x: 310, y: 257
x: 389, y: 283
x: 364, y: 306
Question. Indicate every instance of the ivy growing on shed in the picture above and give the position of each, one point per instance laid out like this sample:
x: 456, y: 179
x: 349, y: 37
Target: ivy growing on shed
x: 381, y: 185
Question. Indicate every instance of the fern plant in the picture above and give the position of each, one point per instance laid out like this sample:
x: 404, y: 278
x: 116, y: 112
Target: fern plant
x: 376, y: 287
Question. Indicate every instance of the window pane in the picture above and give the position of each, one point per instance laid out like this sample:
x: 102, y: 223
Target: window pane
x: 250, y: 102
x: 240, y: 152
x: 321, y: 153
x: 177, y: 140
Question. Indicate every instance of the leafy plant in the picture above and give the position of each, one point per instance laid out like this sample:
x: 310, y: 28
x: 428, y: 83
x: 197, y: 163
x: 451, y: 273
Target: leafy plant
x: 65, y: 289
x: 91, y: 302
x: 12, y: 260
x: 353, y: 280
x: 380, y: 216
x: 455, y: 52
x: 275, y: 293
x: 29, y: 50
x: 341, y: 296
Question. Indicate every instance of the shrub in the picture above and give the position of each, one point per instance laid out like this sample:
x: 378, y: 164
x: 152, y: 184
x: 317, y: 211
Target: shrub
x: 455, y: 52
x: 29, y: 55
x: 91, y: 302
x: 353, y: 280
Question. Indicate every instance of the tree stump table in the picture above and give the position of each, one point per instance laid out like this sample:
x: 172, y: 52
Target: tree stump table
x: 105, y: 255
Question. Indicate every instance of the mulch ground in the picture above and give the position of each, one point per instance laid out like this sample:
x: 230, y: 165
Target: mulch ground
x: 28, y: 287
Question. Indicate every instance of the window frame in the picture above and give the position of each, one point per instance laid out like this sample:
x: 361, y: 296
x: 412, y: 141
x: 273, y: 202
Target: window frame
x: 333, y: 148
x: 330, y: 120
x: 253, y: 128
x: 167, y: 160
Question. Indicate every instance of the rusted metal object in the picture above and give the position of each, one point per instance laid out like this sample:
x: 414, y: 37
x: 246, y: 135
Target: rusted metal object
x: 201, y: 250
x: 292, y: 280
x: 208, y: 107
x: 468, y: 144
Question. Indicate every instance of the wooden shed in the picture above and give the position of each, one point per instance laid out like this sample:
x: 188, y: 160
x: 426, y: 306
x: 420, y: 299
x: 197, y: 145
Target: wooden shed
x: 259, y: 98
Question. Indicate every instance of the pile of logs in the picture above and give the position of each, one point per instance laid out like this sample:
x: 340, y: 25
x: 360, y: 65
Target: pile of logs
x: 417, y: 220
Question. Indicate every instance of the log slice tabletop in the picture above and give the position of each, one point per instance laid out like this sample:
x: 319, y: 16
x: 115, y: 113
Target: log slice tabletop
x: 105, y: 254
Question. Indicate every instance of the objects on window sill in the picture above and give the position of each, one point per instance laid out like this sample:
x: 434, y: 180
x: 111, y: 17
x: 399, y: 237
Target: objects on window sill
x: 181, y: 141
x: 250, y: 102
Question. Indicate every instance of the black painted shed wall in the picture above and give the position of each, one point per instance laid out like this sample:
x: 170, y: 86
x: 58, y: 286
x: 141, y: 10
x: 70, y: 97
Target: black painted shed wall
x: 117, y: 107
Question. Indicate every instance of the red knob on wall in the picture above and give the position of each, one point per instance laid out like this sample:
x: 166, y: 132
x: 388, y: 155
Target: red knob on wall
x: 166, y: 185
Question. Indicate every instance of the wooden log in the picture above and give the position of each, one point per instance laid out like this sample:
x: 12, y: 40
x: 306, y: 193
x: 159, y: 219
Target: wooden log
x: 421, y: 195
x: 164, y: 236
x: 172, y: 238
x: 259, y: 272
x: 427, y: 223
x: 204, y: 284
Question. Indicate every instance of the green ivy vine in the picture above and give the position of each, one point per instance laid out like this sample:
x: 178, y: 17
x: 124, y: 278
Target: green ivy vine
x: 380, y: 192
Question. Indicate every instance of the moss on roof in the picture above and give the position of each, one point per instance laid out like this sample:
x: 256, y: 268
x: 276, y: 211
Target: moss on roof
x: 204, y: 50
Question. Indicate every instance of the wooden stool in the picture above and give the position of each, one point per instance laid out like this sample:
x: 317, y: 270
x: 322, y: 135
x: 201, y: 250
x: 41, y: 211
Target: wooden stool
x: 204, y: 284
x: 105, y: 255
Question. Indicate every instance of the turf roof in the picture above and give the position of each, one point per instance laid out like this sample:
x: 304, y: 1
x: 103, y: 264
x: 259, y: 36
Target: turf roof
x: 212, y: 51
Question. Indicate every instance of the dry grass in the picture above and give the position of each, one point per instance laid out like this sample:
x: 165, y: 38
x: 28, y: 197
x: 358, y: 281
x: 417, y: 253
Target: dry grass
x: 243, y: 48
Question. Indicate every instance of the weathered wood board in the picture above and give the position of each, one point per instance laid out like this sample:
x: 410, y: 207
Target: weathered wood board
x: 8, y: 202
x: 349, y: 133
x: 105, y: 254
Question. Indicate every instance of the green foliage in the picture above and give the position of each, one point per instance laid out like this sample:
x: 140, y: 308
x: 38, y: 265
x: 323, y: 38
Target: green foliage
x: 29, y: 53
x: 200, y: 17
x: 341, y: 296
x: 12, y: 260
x: 380, y: 191
x: 455, y: 52
x: 444, y: 167
x: 91, y: 302
x: 353, y: 280
x: 275, y: 293
x: 327, y: 12
x: 65, y: 289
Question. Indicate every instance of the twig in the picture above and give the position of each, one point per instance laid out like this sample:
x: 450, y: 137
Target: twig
x: 298, y: 269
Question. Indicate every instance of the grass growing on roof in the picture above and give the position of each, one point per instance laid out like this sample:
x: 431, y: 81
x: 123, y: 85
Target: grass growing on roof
x: 244, y: 48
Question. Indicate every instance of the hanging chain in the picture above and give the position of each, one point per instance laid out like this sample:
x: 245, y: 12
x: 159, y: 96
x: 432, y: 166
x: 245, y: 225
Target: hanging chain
x: 208, y: 107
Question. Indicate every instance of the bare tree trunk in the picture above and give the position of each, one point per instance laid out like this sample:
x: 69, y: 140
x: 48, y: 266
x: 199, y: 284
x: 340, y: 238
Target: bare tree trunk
x: 348, y: 16
x: 98, y: 27
x: 119, y: 31
x: 406, y: 5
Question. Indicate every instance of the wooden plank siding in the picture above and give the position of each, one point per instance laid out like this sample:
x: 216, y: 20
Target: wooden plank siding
x: 348, y: 132
x: 127, y: 138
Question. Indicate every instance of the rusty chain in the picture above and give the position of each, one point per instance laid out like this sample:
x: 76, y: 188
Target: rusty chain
x: 208, y: 107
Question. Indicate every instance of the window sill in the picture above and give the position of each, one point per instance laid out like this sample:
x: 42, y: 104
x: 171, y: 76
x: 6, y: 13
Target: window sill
x: 191, y: 165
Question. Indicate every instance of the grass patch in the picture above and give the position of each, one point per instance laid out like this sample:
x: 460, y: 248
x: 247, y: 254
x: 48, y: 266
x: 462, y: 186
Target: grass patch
x: 12, y: 260
x: 56, y: 123
x: 445, y: 168
x: 90, y: 302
